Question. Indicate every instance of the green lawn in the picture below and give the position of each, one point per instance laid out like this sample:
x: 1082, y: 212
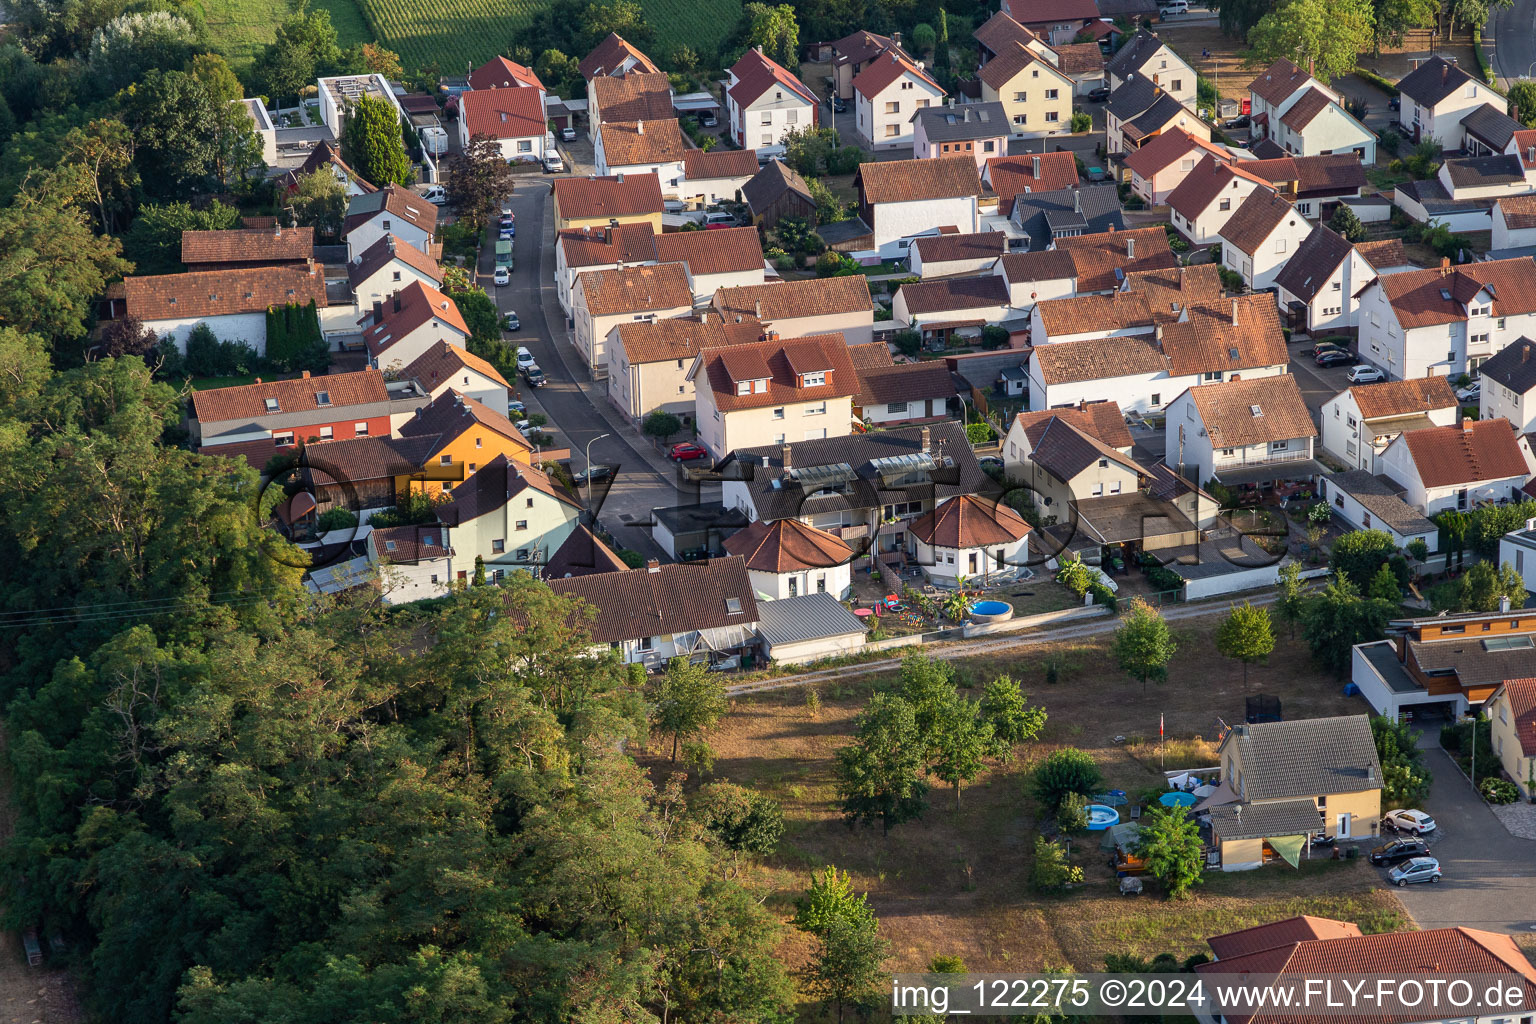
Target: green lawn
x: 240, y: 28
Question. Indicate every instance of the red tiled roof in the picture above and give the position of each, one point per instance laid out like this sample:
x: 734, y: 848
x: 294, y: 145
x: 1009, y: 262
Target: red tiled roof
x: 631, y: 143
x: 408, y: 309
x: 683, y: 337
x: 1012, y: 62
x: 720, y: 163
x: 859, y: 46
x: 324, y: 154
x: 1166, y: 148
x: 1079, y: 58
x: 1237, y: 413
x: 385, y: 251
x: 443, y: 362
x: 595, y: 247
x: 1201, y: 186
x: 634, y: 97
x: 781, y: 363
x: 495, y: 484
x: 300, y: 394
x: 1096, y: 359
x: 948, y: 248
x: 912, y: 181
x: 1102, y: 420
x: 1473, y: 452
x: 1280, y: 933
x: 1311, y: 103
x: 908, y: 382
x: 967, y: 521
x: 395, y: 201
x: 1522, y: 705
x: 503, y: 113
x: 1388, y: 252
x: 1256, y: 219
x: 756, y: 74
x: 1278, y: 81
x: 787, y: 545
x: 409, y: 545
x: 582, y: 554
x: 1010, y: 175
x: 500, y: 73
x: 887, y: 68
x: 1034, y: 12
x: 790, y: 300
x: 1403, y: 397
x: 588, y: 198
x: 1209, y: 340
x: 211, y: 293
x: 729, y: 250
x: 1519, y: 213
x: 1096, y: 257
x: 1424, y: 298
x: 255, y: 453
x: 955, y: 293
x: 607, y: 55
x: 1000, y: 31
x: 248, y: 245
x: 652, y: 289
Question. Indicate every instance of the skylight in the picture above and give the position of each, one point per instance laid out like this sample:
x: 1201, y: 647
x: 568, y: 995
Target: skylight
x: 322, y: 398
x: 1255, y: 410
x: 271, y: 405
x: 733, y: 606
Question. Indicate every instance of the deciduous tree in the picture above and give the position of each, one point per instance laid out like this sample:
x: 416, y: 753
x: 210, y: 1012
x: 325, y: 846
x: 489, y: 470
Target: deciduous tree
x: 320, y: 202
x: 879, y: 774
x: 1144, y: 644
x: 1293, y: 591
x: 775, y: 29
x: 1171, y: 846
x: 846, y: 963
x: 1067, y: 770
x: 382, y: 62
x: 304, y: 49
x: 688, y: 699
x: 1014, y: 720
x: 1325, y: 37
x: 830, y: 897
x: 1246, y: 635
x: 479, y: 180
x: 1485, y: 587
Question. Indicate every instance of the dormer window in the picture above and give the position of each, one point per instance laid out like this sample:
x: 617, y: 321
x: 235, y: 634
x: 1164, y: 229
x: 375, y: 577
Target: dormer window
x: 744, y: 387
x: 813, y: 380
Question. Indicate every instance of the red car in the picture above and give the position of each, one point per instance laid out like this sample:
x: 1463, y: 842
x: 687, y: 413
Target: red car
x: 686, y: 451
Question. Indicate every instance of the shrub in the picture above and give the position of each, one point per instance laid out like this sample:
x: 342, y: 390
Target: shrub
x: 994, y: 336
x: 845, y: 160
x: 336, y: 519
x: 633, y: 559
x: 1102, y: 595
x: 1072, y: 815
x: 1075, y: 576
x: 908, y: 343
x: 830, y: 264
x: 1082, y: 121
x: 1051, y: 869
x: 1163, y: 578
x: 1418, y: 549
x: 1064, y: 771
x: 979, y: 433
x: 1498, y: 791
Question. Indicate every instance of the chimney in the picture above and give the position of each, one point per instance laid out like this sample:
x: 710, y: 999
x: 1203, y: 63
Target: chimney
x: 1234, y: 312
x: 1445, y: 70
x: 306, y: 375
x: 1445, y: 265
x: 927, y: 438
x: 651, y: 565
x: 639, y: 127
x: 257, y: 380
x: 759, y: 309
x: 378, y: 312
x: 895, y: 38
x: 1157, y: 336
x: 1504, y: 604
x: 396, y: 298
x: 952, y: 105
x: 607, y: 236
x: 787, y: 458
x: 1077, y: 201
x: 1130, y: 248
x: 389, y: 242
x: 1037, y: 168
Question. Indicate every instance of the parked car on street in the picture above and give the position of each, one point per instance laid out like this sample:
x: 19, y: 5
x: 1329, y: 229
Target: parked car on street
x: 510, y: 322
x: 1333, y: 357
x: 1399, y: 850
x: 1364, y: 374
x: 553, y: 164
x: 1416, y: 822
x: 1419, y: 869
x: 1318, y: 348
x: 1471, y: 393
x: 534, y: 376
x: 686, y: 451
x: 435, y: 194
x: 502, y: 277
x: 524, y: 357
x: 596, y: 471
x: 516, y: 409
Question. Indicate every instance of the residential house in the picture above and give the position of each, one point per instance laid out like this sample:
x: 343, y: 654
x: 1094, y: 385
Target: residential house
x: 1305, y: 117
x: 1458, y: 467
x: 578, y: 250
x: 643, y: 147
x: 1104, y: 262
x: 1514, y: 222
x: 386, y: 267
x: 893, y: 394
x: 233, y: 304
x: 1512, y: 716
x: 704, y: 610
x: 1363, y: 500
x: 392, y: 210
x: 1492, y: 177
x: 443, y: 366
x: 1293, y: 780
x: 901, y: 199
x: 648, y: 361
x: 864, y: 488
x: 969, y: 539
x: 1011, y: 176
x: 1139, y: 110
x: 247, y: 248
x: 1034, y: 277
x: 615, y: 56
x: 1435, y: 97
x: 412, y: 563
x: 460, y: 436
x: 1036, y: 96
x: 764, y: 102
x: 508, y: 516
x: 1146, y: 57
x: 338, y: 405
x: 853, y: 53
x: 327, y: 156
x: 1202, y: 203
x: 951, y: 307
x: 1055, y: 21
x: 1313, y: 184
x: 980, y: 129
x: 1446, y: 320
x: 786, y: 558
x: 1428, y: 201
x: 514, y: 118
x: 1489, y: 129
x: 887, y: 93
x: 1261, y: 236
x: 798, y: 309
x: 777, y: 191
x: 1247, y: 432
x: 1040, y: 219
x: 1000, y: 33
x: 1446, y: 664
x: 811, y: 627
x: 773, y: 391
x: 949, y: 255
x: 1133, y: 300
x: 359, y: 472
x: 635, y: 96
x: 1517, y: 548
x: 1318, y: 285
x: 603, y: 299
x: 1160, y: 166
x: 412, y: 320
x: 601, y: 201
x: 728, y: 258
x: 501, y: 73
x: 1508, y: 389
x: 1362, y: 420
x: 1062, y: 463
x: 1081, y: 62
x: 339, y: 94
x: 1101, y: 420
x: 717, y: 176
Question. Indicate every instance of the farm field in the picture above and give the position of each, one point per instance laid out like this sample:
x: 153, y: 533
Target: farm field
x: 956, y: 881
x: 240, y: 28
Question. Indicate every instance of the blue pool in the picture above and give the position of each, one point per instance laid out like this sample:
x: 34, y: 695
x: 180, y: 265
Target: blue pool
x: 991, y: 611
x: 1101, y: 816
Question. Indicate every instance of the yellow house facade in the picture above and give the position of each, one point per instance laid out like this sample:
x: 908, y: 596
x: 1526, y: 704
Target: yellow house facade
x: 1036, y: 96
x: 1511, y: 712
x: 467, y: 435
x: 597, y: 202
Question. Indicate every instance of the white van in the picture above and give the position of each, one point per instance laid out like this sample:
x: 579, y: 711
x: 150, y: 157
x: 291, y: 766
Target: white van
x: 1174, y: 7
x: 721, y: 217
x: 552, y: 163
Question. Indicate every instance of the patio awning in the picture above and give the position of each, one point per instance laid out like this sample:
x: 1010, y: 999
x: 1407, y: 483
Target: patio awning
x: 1288, y: 847
x: 1301, y: 469
x: 1223, y: 795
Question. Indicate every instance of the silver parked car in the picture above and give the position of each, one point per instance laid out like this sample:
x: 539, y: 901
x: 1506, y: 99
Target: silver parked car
x: 1419, y: 869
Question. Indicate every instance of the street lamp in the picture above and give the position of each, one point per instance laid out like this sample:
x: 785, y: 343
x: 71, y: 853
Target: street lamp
x: 590, y: 443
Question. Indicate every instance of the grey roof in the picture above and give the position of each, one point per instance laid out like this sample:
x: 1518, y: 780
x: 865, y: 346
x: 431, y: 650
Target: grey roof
x: 1492, y: 125
x: 1307, y: 757
x: 963, y: 122
x: 772, y: 181
x: 1433, y: 81
x: 1268, y: 149
x: 1133, y: 53
x: 806, y: 617
x: 843, y: 230
x: 1132, y: 9
x: 1381, y: 500
x: 1100, y: 206
x: 1261, y: 821
x: 1472, y: 172
x: 982, y: 371
x: 1314, y: 261
x: 1133, y: 96
x: 1164, y: 108
x: 1513, y: 366
x: 775, y: 497
x: 1064, y: 451
x: 1431, y: 195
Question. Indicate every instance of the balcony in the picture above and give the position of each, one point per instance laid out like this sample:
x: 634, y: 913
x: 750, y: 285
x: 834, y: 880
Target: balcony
x: 1273, y: 459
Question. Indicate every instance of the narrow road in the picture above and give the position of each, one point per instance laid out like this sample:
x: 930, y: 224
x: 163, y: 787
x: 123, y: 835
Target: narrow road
x: 954, y: 650
x: 1511, y: 35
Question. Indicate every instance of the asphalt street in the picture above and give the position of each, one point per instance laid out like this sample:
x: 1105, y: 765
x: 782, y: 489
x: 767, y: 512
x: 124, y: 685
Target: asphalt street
x: 568, y: 400
x: 1512, y: 33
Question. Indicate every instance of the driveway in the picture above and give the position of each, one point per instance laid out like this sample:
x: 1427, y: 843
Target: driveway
x: 569, y: 400
x: 1489, y: 876
x: 1318, y: 383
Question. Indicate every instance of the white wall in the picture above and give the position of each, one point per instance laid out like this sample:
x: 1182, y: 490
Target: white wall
x: 247, y: 327
x: 1522, y: 557
x: 874, y: 122
x: 782, y: 115
x: 1358, y: 516
x: 386, y: 223
x: 1443, y: 122
x: 897, y: 221
x: 387, y: 280
x: 835, y: 580
x: 806, y: 651
x: 1204, y: 227
x: 712, y: 190
x: 408, y: 347
x: 705, y: 284
x: 1506, y: 238
x: 1259, y: 268
x: 1498, y: 401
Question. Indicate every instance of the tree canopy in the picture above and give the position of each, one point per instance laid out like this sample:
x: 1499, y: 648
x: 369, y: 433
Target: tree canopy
x: 1324, y: 37
x: 372, y: 145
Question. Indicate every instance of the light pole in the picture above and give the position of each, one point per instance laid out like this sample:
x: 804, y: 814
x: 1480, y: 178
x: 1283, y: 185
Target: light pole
x: 590, y: 443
